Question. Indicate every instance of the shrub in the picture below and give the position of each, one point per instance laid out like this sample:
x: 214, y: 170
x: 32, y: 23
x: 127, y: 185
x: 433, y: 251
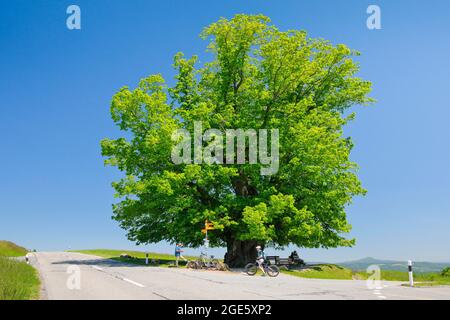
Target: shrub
x: 445, y: 272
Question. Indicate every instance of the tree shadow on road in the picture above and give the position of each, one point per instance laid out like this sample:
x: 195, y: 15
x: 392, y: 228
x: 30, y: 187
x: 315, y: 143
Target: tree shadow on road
x: 119, y: 262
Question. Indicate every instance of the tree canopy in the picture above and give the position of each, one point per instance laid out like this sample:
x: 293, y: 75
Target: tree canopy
x: 257, y: 77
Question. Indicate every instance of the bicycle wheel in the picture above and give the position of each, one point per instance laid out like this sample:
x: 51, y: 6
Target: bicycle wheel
x: 191, y: 265
x: 215, y: 264
x: 251, y: 269
x: 273, y: 271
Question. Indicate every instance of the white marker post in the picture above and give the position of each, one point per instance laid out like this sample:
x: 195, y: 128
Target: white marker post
x: 410, y: 272
x: 146, y: 258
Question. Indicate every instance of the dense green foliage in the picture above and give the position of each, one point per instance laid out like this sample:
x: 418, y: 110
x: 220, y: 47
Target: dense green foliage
x: 446, y: 272
x: 259, y: 77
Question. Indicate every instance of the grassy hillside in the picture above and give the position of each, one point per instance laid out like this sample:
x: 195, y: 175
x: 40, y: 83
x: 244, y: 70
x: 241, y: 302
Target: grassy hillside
x: 9, y: 249
x: 18, y: 280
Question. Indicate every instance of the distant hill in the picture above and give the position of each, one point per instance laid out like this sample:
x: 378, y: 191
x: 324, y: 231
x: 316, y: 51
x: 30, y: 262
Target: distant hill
x: 9, y: 249
x: 419, y: 266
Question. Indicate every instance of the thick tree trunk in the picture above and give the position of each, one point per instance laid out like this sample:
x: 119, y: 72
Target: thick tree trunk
x: 239, y: 253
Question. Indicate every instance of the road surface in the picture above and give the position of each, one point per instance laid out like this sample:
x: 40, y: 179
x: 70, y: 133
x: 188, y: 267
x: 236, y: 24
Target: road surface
x: 73, y: 276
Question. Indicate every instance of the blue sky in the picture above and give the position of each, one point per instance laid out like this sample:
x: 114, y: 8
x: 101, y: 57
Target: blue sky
x: 56, y: 85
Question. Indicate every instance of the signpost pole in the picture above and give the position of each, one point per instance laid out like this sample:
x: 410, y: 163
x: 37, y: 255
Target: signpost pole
x: 410, y: 273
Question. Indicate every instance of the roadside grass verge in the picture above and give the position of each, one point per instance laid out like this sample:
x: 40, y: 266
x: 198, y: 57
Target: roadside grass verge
x: 138, y: 257
x: 18, y: 280
x: 322, y: 271
x: 331, y: 271
x: 420, y: 279
x: 9, y: 249
x: 429, y: 279
x: 429, y: 284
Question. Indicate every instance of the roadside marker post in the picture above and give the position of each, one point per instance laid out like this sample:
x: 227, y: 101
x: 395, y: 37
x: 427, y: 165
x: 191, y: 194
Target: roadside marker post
x: 208, y: 226
x: 146, y: 258
x: 410, y: 273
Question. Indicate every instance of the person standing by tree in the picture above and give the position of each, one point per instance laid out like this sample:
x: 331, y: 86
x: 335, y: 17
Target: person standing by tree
x: 178, y: 251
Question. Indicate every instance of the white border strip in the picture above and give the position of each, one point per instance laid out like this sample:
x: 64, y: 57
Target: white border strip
x: 133, y: 282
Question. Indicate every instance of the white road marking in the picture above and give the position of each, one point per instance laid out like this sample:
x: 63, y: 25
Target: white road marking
x: 124, y: 279
x: 133, y: 282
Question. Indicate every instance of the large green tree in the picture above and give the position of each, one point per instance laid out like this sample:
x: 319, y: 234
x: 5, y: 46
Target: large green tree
x: 258, y: 77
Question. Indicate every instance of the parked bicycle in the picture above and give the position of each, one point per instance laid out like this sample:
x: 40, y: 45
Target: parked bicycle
x: 205, y: 262
x: 270, y: 270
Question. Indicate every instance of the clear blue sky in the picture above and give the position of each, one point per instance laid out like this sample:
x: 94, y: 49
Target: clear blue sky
x: 56, y: 85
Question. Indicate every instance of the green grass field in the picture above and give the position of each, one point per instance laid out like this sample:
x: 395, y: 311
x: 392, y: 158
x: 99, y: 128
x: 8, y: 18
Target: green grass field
x: 165, y: 260
x: 9, y: 249
x: 18, y: 280
x: 430, y: 279
x: 323, y: 271
x: 331, y: 271
x: 420, y: 279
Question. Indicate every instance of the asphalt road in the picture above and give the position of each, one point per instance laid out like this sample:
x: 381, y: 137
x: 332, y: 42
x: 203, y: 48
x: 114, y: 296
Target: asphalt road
x: 79, y: 276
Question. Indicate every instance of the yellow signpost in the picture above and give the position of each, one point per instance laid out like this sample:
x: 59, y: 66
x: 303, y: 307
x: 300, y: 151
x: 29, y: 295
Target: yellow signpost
x: 208, y: 226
